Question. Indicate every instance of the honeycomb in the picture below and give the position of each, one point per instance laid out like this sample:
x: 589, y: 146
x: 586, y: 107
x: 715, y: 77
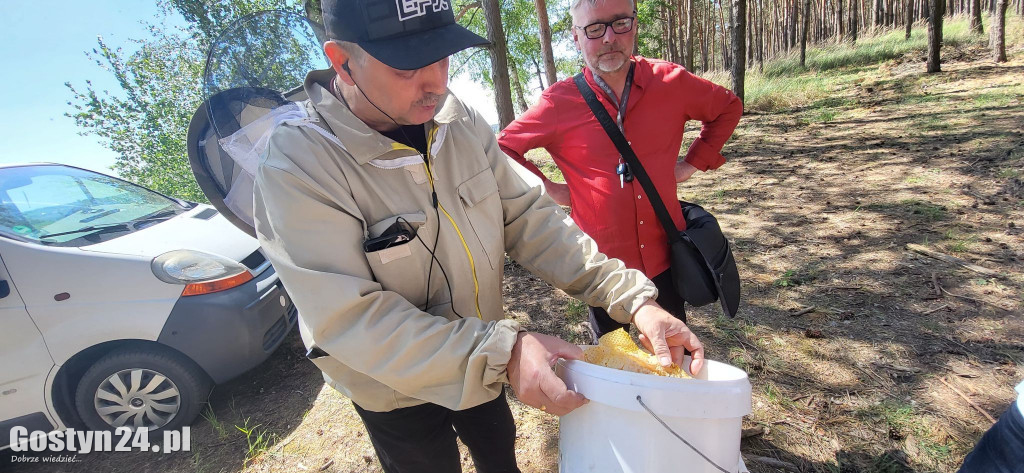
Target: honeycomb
x: 617, y: 350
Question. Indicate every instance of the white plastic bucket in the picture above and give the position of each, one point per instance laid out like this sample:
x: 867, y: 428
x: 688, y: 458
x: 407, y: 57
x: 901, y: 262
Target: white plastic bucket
x: 614, y: 433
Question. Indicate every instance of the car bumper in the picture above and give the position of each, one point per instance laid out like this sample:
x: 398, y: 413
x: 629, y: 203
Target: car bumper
x: 229, y: 332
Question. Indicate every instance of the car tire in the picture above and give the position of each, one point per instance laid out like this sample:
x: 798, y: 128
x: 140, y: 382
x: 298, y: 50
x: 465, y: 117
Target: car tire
x: 158, y: 389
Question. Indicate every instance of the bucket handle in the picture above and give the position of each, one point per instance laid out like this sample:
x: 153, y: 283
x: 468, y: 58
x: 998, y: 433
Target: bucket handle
x: 663, y: 424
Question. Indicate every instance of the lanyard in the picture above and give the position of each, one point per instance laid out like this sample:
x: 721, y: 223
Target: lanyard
x: 622, y: 169
x: 625, y: 94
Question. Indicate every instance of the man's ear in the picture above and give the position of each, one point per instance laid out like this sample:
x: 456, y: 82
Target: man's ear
x: 339, y: 61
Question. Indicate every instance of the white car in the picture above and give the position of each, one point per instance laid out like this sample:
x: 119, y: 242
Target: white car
x: 120, y: 306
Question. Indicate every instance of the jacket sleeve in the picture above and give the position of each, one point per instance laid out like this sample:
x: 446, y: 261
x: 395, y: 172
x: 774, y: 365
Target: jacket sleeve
x: 533, y: 129
x: 545, y: 241
x: 718, y: 109
x: 312, y: 232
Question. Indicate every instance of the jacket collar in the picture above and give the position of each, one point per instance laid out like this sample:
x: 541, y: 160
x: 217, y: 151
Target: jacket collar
x: 362, y: 142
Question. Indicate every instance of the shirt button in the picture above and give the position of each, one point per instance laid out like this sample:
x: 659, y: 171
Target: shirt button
x: 637, y: 197
x: 641, y: 247
x: 641, y: 222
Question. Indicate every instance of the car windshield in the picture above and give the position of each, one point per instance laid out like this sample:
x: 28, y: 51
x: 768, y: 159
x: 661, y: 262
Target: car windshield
x: 65, y: 206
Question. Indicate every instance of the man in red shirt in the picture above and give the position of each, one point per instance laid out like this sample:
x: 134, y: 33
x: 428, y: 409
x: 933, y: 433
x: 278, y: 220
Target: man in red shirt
x: 652, y: 100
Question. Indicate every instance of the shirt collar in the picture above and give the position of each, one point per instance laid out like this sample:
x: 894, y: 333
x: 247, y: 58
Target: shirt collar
x: 362, y: 142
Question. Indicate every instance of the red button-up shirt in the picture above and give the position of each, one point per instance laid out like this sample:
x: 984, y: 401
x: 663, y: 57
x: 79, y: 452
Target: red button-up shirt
x: 663, y: 97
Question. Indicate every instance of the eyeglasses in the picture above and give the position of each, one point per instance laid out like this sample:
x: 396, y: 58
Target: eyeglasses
x: 598, y: 29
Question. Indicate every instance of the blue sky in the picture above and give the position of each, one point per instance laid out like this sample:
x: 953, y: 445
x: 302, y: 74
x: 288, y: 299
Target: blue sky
x: 44, y: 46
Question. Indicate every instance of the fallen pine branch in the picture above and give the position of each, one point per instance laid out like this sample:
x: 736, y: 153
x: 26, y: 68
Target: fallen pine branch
x: 771, y: 462
x: 969, y: 401
x: 806, y: 310
x: 983, y: 301
x: 951, y: 259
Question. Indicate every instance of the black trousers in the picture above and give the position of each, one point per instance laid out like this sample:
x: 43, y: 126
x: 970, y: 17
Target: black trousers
x: 1001, y: 449
x: 670, y: 300
x: 421, y: 439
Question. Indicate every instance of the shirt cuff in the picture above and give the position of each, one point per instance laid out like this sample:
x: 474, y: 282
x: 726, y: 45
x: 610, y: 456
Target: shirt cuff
x: 499, y: 351
x: 703, y: 156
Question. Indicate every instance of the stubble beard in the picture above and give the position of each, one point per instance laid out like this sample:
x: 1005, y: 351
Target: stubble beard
x: 609, y: 64
x: 606, y: 63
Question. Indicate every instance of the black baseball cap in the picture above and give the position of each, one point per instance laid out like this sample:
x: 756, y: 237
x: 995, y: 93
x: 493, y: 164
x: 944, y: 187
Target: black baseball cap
x: 404, y: 34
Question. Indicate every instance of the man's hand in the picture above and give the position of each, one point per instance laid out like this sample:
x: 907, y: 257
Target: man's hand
x: 683, y: 171
x: 559, y: 192
x: 531, y: 376
x: 667, y: 337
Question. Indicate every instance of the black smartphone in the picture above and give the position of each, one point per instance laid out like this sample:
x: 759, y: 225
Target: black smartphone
x: 387, y: 241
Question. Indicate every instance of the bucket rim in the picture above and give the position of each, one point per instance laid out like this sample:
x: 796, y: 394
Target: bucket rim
x: 613, y: 375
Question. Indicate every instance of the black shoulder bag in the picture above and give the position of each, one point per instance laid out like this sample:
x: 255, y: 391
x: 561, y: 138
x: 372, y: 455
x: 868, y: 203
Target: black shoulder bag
x: 703, y: 268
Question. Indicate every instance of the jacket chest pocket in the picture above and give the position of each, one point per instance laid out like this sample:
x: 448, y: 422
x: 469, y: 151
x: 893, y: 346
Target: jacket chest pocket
x: 397, y: 258
x: 482, y: 205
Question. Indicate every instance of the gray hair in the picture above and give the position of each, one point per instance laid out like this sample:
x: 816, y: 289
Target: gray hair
x: 576, y: 4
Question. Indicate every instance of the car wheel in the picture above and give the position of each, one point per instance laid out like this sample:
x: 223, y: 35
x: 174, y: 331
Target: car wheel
x: 141, y: 388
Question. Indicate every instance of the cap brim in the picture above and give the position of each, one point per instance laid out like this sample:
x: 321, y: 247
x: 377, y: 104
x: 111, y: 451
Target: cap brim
x: 419, y: 50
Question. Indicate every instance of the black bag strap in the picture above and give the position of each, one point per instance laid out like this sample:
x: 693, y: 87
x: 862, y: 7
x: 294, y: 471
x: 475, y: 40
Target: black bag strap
x: 626, y: 151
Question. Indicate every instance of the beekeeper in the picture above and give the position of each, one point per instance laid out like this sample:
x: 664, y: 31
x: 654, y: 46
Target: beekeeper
x: 390, y: 229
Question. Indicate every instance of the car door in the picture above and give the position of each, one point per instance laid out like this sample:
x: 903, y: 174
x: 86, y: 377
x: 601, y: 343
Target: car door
x: 24, y: 363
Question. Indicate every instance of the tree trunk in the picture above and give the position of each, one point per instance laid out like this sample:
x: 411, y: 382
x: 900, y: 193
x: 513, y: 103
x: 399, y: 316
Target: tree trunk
x: 854, y: 10
x: 688, y: 49
x: 538, y: 72
x: 909, y: 15
x: 713, y: 35
x: 726, y: 36
x: 739, y: 55
x: 976, y: 17
x: 670, y: 33
x: 760, y: 35
x: 938, y: 8
x: 703, y: 44
x: 793, y: 16
x: 998, y: 31
x: 865, y: 14
x: 750, y: 41
x: 545, y: 43
x: 840, y: 20
x: 499, y: 62
x: 680, y: 34
x: 517, y: 87
x: 803, y: 34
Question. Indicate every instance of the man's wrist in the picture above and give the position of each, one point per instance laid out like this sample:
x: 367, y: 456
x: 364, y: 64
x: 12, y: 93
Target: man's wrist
x: 632, y: 317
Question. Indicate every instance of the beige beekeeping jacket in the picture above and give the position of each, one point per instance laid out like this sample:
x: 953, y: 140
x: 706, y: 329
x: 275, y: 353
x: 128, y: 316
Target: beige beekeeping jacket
x: 383, y: 341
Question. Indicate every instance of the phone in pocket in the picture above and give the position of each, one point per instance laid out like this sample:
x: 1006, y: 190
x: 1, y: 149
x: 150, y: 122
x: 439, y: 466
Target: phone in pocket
x: 387, y: 241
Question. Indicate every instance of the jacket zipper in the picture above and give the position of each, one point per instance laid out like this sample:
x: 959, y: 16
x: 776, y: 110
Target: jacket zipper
x: 465, y: 246
x: 311, y: 120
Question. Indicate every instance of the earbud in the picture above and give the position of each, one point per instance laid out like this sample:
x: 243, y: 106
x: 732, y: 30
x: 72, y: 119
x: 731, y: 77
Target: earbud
x: 345, y: 68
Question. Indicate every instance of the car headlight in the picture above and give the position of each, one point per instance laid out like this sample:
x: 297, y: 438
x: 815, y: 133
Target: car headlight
x: 201, y: 273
